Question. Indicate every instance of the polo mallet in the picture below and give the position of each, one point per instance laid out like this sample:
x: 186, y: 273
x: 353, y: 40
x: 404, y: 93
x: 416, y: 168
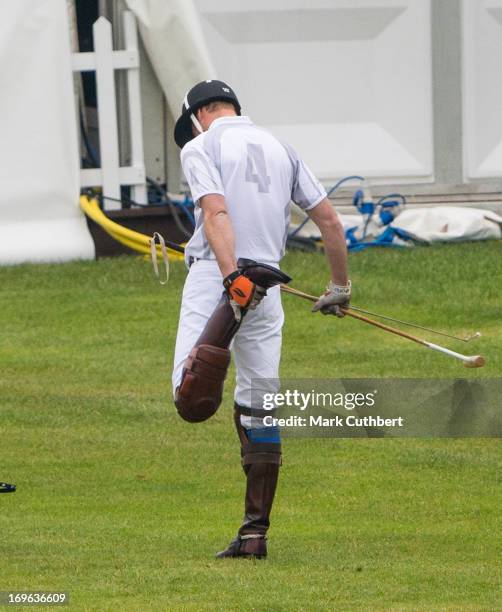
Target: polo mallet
x: 7, y: 488
x: 469, y: 361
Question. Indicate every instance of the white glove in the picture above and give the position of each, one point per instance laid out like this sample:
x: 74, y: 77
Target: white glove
x: 334, y: 298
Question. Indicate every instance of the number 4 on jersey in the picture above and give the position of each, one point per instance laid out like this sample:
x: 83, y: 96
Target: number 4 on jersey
x: 256, y: 168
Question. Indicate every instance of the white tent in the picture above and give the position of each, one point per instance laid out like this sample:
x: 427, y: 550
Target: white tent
x: 40, y: 218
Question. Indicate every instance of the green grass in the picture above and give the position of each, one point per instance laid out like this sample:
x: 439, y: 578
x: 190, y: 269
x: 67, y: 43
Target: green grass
x: 123, y: 504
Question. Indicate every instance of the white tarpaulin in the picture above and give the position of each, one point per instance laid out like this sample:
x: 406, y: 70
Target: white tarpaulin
x: 449, y: 223
x: 439, y: 224
x: 39, y: 167
x: 173, y: 38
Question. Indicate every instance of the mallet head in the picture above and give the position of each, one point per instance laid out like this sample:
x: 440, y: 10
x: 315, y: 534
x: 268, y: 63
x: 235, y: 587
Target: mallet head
x: 476, y: 361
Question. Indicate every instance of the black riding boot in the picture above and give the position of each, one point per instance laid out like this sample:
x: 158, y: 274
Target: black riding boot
x: 261, y: 461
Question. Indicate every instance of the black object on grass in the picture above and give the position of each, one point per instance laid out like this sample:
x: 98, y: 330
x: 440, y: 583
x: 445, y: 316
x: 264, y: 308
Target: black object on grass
x: 5, y: 487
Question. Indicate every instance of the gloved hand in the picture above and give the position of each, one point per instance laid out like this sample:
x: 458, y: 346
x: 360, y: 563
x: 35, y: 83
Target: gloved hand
x: 243, y: 291
x: 334, y: 297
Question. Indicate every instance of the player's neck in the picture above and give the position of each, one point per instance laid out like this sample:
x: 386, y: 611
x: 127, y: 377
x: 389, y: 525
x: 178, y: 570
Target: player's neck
x: 222, y: 112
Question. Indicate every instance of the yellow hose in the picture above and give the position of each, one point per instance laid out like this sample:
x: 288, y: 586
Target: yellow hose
x: 129, y: 238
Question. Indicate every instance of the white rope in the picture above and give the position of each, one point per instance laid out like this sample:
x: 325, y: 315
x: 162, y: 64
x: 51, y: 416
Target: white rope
x: 153, y: 251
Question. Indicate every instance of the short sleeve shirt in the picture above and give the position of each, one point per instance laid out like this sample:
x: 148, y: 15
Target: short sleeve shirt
x: 258, y: 176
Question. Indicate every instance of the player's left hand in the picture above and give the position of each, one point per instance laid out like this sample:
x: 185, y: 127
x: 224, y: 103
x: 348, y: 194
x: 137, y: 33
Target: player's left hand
x: 334, y: 298
x: 243, y: 291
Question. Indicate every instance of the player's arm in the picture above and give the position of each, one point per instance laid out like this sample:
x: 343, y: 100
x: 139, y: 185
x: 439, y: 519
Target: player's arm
x: 310, y: 196
x: 219, y: 232
x: 333, y: 236
x: 208, y: 192
x: 339, y: 289
x: 308, y: 193
x: 220, y: 235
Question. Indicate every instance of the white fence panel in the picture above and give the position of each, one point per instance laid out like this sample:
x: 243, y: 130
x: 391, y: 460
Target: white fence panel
x: 348, y: 83
x: 104, y: 61
x: 107, y: 113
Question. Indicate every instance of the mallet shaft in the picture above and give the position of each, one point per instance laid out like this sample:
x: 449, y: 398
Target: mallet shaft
x: 415, y: 325
x: 474, y: 361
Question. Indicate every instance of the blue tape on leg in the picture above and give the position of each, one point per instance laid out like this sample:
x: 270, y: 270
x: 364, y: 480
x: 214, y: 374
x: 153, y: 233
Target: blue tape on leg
x: 268, y: 435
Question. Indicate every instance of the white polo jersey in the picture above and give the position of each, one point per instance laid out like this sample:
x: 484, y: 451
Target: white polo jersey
x: 258, y: 176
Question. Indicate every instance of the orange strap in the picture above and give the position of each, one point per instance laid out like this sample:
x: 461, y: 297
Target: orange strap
x: 241, y: 290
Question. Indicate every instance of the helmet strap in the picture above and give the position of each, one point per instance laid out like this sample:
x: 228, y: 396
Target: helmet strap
x: 194, y: 119
x: 197, y: 124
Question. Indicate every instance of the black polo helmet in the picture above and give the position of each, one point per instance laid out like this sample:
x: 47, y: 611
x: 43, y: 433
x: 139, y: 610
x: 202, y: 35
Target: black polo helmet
x: 201, y: 94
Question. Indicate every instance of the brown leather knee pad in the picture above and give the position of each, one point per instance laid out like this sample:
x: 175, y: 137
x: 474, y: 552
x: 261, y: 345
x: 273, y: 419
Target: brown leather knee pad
x: 199, y: 395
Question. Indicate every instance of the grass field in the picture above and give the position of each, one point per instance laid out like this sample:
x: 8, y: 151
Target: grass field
x: 123, y: 504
